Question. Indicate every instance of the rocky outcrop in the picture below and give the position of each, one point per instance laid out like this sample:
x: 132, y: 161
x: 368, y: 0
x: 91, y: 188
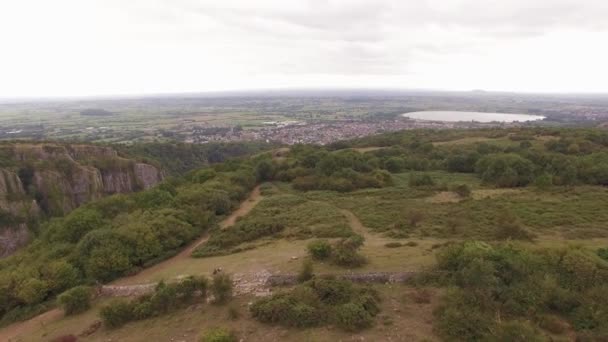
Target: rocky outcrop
x: 56, y: 179
x: 15, y: 208
x: 12, y: 238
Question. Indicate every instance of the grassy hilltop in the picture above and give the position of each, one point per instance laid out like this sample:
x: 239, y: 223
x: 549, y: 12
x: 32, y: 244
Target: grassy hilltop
x: 505, y: 231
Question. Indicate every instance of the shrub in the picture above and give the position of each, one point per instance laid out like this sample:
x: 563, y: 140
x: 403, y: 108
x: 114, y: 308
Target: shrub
x: 345, y: 252
x: 319, y: 302
x: 75, y: 300
x: 221, y: 287
x: 319, y: 249
x: 393, y: 244
x: 306, y: 272
x: 421, y: 180
x: 453, y: 325
x: 353, y: 317
x: 411, y: 244
x: 332, y: 291
x: 219, y: 335
x: 165, y: 298
x: 117, y: 313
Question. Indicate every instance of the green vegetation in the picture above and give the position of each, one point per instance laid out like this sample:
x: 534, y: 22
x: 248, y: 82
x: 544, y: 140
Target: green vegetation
x: 516, y: 284
x: 344, y: 252
x: 219, y: 335
x: 75, y: 300
x: 180, y: 158
x: 118, y: 235
x: 282, y: 215
x: 164, y: 299
x: 306, y: 272
x: 319, y: 249
x: 498, y: 209
x: 221, y: 288
x: 318, y: 302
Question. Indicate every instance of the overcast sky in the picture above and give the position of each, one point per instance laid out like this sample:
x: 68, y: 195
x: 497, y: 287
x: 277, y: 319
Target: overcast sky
x: 101, y: 47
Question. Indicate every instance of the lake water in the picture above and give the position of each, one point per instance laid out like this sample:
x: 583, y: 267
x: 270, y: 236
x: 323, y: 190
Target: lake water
x: 455, y: 116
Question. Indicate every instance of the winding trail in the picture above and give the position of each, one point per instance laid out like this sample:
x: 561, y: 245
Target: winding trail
x: 357, y: 226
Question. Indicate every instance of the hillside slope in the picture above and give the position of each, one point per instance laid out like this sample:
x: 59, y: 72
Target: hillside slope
x: 48, y: 179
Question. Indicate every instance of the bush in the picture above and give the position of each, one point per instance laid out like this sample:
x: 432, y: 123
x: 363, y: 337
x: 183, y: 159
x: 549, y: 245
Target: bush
x: 117, y: 313
x: 166, y: 297
x: 319, y: 249
x: 219, y: 335
x: 332, y: 291
x: 353, y: 317
x: 345, y: 252
x: 221, y: 287
x: 75, y: 300
x: 319, y: 302
x: 306, y: 272
x: 421, y: 180
x: 393, y: 244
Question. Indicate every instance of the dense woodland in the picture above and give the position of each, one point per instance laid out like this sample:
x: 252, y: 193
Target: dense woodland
x: 179, y: 158
x: 509, y: 292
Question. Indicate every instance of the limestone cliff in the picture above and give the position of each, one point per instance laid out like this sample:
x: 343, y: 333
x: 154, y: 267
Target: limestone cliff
x: 49, y: 179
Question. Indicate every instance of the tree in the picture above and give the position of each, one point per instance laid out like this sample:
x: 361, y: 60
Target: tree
x: 116, y: 313
x: 505, y: 170
x: 60, y: 275
x: 264, y: 170
x: 32, y: 291
x: 394, y: 164
x: 462, y: 162
x: 75, y: 300
x: 104, y: 254
x: 78, y: 223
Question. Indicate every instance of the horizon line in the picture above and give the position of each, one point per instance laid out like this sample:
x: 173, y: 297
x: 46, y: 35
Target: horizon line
x: 268, y: 91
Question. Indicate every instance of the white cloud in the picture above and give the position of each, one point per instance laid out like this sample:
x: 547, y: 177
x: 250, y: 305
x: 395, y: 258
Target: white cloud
x: 86, y: 47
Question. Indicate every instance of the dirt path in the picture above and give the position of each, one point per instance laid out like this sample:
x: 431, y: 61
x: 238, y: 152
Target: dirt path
x: 358, y: 227
x: 12, y: 332
x: 254, y: 198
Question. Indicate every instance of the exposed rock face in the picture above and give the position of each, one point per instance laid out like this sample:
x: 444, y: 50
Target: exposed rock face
x: 12, y: 238
x: 147, y: 175
x: 56, y: 179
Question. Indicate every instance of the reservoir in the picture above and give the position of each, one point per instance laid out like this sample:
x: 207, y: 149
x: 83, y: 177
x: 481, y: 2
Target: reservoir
x: 455, y: 116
